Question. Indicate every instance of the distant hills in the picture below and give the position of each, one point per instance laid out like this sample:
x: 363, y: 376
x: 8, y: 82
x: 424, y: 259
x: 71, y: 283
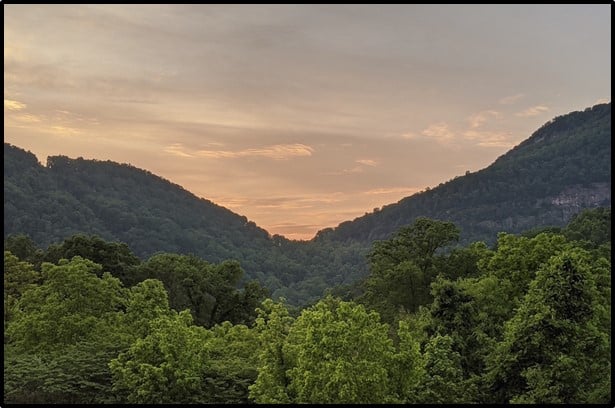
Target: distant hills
x: 564, y: 167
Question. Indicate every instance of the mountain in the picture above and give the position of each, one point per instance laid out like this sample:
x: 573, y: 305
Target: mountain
x: 119, y: 202
x: 562, y: 168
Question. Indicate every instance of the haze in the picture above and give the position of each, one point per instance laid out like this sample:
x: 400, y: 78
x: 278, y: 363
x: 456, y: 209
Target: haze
x: 298, y: 116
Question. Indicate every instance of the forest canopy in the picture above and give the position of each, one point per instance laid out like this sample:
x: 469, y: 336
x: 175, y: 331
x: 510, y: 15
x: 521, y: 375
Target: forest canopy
x: 526, y: 320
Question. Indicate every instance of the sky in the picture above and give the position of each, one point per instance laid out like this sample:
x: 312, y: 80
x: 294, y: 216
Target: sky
x: 299, y: 117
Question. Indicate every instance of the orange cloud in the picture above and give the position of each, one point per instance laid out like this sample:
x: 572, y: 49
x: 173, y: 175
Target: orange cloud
x: 438, y: 131
x: 367, y: 162
x: 393, y: 190
x: 14, y: 105
x: 509, y: 100
x: 488, y: 138
x: 533, y: 111
x: 479, y: 119
x: 276, y: 152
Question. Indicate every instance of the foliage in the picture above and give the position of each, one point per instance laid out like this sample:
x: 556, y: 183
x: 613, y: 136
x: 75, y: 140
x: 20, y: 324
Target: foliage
x: 207, y: 290
x: 527, y: 321
x: 71, y: 305
x: 554, y: 350
x: 339, y: 353
x: 178, y: 362
x: 402, y: 267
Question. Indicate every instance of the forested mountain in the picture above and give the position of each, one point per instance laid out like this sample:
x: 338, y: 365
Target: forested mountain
x: 119, y: 202
x: 562, y: 168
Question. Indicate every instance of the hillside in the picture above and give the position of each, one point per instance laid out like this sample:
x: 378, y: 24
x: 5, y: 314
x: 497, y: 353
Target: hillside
x: 563, y: 167
x: 119, y: 202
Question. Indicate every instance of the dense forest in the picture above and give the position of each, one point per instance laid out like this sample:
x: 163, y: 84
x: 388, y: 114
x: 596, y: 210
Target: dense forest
x: 562, y: 168
x: 526, y: 319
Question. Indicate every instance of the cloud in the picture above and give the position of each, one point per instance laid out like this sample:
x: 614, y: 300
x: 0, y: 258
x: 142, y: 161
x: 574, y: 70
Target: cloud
x: 367, y: 162
x: 533, y: 111
x: 393, y: 190
x: 176, y: 149
x: 27, y: 118
x: 14, y: 105
x: 479, y: 119
x: 601, y: 101
x: 439, y: 131
x: 64, y: 130
x: 486, y: 138
x: 276, y: 152
x: 509, y: 100
x: 409, y: 135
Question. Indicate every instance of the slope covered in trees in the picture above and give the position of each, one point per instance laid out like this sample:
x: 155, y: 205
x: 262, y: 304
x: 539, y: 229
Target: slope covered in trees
x: 563, y: 168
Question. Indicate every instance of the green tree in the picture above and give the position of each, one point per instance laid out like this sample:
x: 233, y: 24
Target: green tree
x: 209, y: 291
x: 407, y: 370
x: 114, y: 257
x: 72, y: 304
x: 402, y: 267
x: 148, y: 301
x: 272, y: 325
x: 165, y: 366
x: 18, y: 277
x: 443, y: 381
x: 339, y: 353
x: 23, y: 247
x: 554, y: 350
x: 63, y: 334
x: 592, y: 226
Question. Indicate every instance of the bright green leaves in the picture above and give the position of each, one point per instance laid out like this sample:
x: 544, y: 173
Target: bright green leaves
x: 72, y: 305
x: 339, y: 353
x: 18, y: 277
x: 272, y: 325
x: 163, y: 367
x: 178, y: 362
x: 334, y: 352
x: 443, y: 380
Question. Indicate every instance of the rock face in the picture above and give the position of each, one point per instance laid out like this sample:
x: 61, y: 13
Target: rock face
x: 575, y: 198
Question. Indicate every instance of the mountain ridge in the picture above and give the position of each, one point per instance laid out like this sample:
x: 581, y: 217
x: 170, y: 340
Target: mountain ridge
x: 561, y: 169
x: 560, y: 134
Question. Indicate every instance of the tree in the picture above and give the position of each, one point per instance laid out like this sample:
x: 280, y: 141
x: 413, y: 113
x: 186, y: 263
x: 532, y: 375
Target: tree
x: 114, y: 257
x: 407, y: 370
x: 402, y: 267
x: 165, y: 366
x: 18, y: 277
x: 63, y: 334
x: 593, y: 226
x: 272, y: 325
x: 554, y: 348
x: 178, y: 362
x: 339, y: 353
x: 72, y: 304
x: 209, y: 291
x: 443, y: 380
x: 23, y: 247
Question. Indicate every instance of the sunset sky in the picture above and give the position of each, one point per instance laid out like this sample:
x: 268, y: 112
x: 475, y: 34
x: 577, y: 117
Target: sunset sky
x: 298, y: 116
